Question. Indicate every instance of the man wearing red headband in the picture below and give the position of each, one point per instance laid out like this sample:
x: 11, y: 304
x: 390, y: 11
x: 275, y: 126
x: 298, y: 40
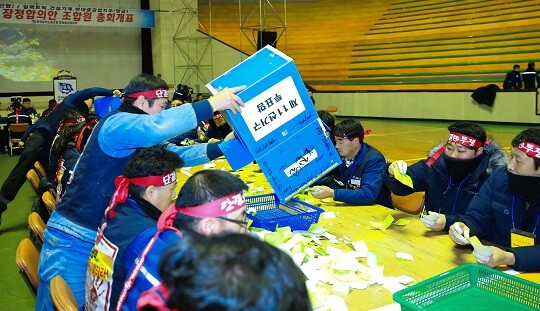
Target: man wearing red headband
x: 210, y: 203
x: 358, y: 180
x: 451, y: 175
x: 143, y: 192
x: 139, y: 122
x: 506, y: 212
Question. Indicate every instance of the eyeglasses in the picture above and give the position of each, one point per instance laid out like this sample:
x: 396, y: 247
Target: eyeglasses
x: 242, y: 222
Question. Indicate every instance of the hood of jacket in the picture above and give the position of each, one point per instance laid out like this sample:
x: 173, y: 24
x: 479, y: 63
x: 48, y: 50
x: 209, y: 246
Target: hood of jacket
x: 496, y: 158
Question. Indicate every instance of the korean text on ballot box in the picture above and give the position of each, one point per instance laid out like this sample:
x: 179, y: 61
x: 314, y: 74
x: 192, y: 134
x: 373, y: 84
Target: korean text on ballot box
x: 279, y: 126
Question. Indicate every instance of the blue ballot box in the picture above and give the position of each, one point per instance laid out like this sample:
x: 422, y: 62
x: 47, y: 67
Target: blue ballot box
x: 279, y: 126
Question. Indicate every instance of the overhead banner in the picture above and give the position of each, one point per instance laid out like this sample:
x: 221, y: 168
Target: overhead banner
x: 75, y: 16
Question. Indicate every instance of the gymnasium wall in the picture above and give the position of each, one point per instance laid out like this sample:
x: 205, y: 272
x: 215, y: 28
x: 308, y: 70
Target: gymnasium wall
x: 510, y: 107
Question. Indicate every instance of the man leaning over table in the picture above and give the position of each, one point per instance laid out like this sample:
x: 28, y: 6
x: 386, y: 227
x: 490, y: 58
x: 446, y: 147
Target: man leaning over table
x: 139, y: 122
x: 451, y: 175
x: 359, y: 178
x: 506, y: 212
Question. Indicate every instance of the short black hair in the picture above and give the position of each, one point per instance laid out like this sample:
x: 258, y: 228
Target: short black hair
x: 141, y: 83
x: 516, y: 66
x: 327, y: 118
x: 52, y: 103
x: 349, y: 128
x: 531, y: 135
x: 232, y: 272
x: 470, y: 129
x: 183, y: 93
x: 203, y: 187
x: 16, y: 104
x: 26, y: 99
x: 151, y: 161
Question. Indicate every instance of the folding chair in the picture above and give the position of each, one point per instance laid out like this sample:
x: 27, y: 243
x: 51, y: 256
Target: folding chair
x: 37, y: 226
x: 49, y: 200
x: 34, y: 179
x: 62, y: 296
x: 27, y: 259
x: 15, y: 133
x: 411, y: 204
x: 40, y: 169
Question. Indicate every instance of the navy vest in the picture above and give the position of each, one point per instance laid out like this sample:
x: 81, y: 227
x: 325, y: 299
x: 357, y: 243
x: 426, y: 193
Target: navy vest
x: 92, y: 185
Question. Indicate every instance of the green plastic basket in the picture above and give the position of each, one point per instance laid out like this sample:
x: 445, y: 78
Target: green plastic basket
x: 471, y: 287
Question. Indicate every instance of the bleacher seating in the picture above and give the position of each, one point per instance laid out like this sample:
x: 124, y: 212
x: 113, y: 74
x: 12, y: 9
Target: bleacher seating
x: 396, y: 44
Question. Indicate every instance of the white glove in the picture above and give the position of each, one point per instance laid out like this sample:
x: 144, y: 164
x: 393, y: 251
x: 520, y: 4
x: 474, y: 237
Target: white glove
x: 430, y: 219
x: 315, y: 190
x: 459, y: 235
x: 402, y: 166
x: 483, y: 259
x: 227, y: 99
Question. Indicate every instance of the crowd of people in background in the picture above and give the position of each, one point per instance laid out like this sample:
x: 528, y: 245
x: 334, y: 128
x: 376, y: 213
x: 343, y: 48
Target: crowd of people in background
x: 128, y: 242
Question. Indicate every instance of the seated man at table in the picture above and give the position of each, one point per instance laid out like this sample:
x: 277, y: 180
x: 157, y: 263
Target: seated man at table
x: 143, y: 192
x: 253, y: 276
x: 27, y: 109
x: 210, y: 203
x: 506, y: 212
x: 359, y: 178
x: 450, y: 181
x: 18, y: 116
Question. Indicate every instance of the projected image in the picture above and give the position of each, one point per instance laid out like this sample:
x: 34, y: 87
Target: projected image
x: 23, y: 58
x: 31, y: 56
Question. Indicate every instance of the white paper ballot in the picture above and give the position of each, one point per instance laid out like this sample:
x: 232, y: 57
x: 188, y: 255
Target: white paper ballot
x: 209, y: 165
x: 404, y: 279
x: 328, y: 215
x: 371, y: 260
x: 405, y: 256
x: 360, y: 246
x: 336, y: 303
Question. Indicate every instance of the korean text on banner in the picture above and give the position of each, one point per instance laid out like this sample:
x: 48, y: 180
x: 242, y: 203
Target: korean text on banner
x: 66, y: 15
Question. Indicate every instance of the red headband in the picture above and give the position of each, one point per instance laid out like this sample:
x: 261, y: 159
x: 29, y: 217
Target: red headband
x: 465, y: 140
x: 216, y: 208
x: 65, y: 122
x: 530, y: 149
x: 74, y: 121
x: 121, y: 183
x: 120, y: 194
x: 159, y: 93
